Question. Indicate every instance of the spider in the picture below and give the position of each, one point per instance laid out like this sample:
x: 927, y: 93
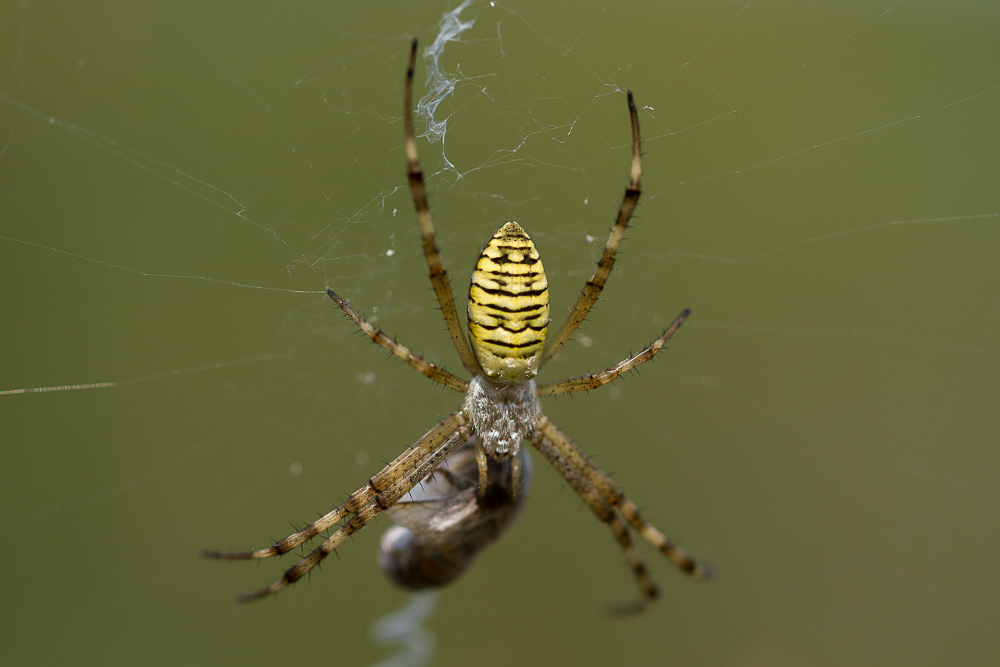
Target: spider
x: 508, y: 315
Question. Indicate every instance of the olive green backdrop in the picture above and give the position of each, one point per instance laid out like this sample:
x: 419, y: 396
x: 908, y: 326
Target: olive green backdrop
x: 180, y: 181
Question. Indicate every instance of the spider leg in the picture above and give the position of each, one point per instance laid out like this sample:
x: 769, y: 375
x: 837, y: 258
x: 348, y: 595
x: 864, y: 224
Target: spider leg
x: 613, y: 495
x: 595, y: 380
x: 596, y: 283
x: 604, y: 511
x: 439, y: 276
x: 382, y: 501
x: 483, y: 467
x: 403, y: 465
x: 432, y: 371
x: 515, y: 477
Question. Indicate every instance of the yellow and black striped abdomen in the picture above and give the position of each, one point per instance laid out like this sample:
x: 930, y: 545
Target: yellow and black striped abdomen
x: 509, y: 306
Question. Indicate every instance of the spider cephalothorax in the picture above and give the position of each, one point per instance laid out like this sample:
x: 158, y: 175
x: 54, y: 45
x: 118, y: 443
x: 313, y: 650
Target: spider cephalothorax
x: 502, y: 414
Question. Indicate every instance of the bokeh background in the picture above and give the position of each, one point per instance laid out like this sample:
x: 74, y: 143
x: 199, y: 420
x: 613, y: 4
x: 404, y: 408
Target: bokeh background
x: 179, y: 182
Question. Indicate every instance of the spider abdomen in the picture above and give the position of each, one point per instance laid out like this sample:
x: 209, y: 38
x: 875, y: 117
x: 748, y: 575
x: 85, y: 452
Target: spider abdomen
x: 509, y: 306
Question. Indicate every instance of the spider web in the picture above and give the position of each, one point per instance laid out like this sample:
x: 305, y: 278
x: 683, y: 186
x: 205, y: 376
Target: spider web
x: 180, y: 182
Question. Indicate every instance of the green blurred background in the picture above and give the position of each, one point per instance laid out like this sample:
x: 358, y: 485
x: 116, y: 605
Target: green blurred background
x: 179, y: 181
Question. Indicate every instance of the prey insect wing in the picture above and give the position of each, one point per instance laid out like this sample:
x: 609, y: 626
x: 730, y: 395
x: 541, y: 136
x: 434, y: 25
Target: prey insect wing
x: 446, y: 523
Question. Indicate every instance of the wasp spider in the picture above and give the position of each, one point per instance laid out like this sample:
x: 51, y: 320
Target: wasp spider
x: 508, y: 316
